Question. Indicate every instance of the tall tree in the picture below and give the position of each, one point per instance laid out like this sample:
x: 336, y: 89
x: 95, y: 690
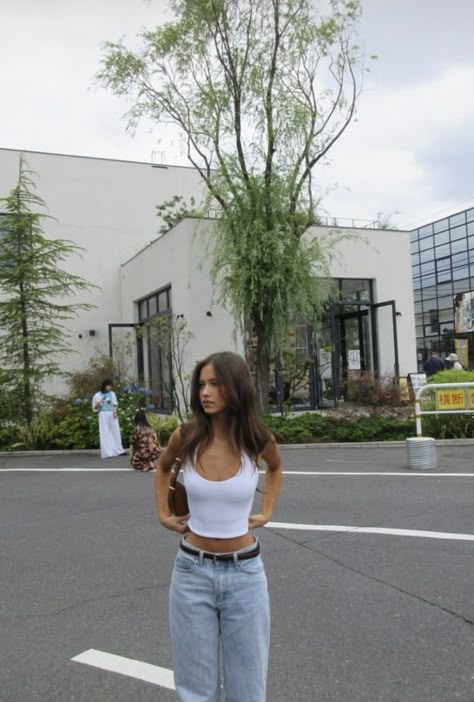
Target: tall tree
x: 261, y: 90
x: 33, y: 295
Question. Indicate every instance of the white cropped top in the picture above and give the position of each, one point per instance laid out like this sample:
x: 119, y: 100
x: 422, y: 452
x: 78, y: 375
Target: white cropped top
x: 220, y: 509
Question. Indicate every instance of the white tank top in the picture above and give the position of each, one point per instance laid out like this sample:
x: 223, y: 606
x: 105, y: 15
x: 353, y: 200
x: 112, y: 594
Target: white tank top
x: 221, y: 508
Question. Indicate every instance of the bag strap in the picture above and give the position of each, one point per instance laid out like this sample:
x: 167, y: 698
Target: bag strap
x: 177, y: 465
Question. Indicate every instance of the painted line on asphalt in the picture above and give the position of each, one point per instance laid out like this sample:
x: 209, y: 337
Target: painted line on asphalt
x: 372, y: 530
x: 414, y: 474
x: 127, y: 666
x: 67, y: 470
x: 335, y: 460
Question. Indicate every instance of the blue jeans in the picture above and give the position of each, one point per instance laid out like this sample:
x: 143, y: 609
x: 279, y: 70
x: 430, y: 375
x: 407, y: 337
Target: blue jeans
x: 219, y: 612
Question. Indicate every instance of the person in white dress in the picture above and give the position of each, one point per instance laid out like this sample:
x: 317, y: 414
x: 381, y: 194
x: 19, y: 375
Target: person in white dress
x: 105, y: 404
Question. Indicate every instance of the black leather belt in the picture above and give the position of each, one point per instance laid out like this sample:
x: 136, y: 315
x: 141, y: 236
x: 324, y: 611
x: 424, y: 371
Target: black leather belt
x: 243, y: 556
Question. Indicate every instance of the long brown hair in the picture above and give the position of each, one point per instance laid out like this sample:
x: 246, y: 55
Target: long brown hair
x: 246, y: 430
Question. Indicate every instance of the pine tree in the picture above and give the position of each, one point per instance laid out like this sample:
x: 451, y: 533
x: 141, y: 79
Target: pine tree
x: 35, y: 296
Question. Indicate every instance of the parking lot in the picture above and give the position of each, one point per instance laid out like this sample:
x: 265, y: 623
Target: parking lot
x: 370, y: 569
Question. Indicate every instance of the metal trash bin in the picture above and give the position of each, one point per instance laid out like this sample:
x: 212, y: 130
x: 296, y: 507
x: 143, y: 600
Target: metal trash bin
x: 421, y: 453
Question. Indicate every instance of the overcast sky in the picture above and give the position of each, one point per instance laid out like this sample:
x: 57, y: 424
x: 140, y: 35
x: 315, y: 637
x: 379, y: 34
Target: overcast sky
x: 409, y: 155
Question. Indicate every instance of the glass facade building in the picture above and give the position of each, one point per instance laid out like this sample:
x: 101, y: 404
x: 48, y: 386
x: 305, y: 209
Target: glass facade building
x: 442, y: 255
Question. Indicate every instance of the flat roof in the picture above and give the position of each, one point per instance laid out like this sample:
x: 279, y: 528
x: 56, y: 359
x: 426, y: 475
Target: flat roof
x: 97, y: 158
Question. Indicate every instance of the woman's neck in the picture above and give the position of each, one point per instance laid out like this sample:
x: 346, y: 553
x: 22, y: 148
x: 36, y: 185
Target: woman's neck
x: 219, y: 426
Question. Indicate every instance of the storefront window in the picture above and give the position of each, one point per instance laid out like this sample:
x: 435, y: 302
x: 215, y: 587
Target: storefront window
x: 154, y: 311
x: 312, y: 369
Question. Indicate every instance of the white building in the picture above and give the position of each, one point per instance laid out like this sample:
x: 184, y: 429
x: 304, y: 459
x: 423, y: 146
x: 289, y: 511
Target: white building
x: 373, y: 273
x: 108, y: 207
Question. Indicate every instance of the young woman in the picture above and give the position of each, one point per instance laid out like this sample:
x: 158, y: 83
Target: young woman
x: 219, y: 606
x: 105, y: 404
x: 144, y: 445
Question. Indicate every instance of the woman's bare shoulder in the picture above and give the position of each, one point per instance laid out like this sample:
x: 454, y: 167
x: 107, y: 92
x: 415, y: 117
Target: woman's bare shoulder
x: 271, y: 453
x: 176, y: 440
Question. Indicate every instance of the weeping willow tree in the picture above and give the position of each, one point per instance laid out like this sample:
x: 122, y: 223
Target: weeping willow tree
x: 260, y: 90
x: 35, y: 297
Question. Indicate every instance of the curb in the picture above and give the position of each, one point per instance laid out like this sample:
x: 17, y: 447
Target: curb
x: 51, y: 452
x: 375, y: 444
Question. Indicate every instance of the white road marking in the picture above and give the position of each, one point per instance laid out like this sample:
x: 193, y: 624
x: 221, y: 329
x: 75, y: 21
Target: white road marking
x: 335, y: 460
x: 67, y: 470
x: 373, y: 530
x: 411, y: 474
x: 127, y: 666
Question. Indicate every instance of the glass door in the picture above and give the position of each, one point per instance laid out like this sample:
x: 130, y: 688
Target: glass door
x: 354, y: 349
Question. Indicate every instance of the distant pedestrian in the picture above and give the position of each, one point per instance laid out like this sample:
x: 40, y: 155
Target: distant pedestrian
x: 105, y: 404
x: 453, y: 361
x: 433, y: 365
x: 145, y: 448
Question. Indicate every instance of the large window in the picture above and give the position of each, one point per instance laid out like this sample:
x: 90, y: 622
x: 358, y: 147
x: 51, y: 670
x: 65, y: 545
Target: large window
x: 158, y: 303
x: 154, y: 312
x: 444, y: 251
x: 443, y: 270
x: 315, y: 363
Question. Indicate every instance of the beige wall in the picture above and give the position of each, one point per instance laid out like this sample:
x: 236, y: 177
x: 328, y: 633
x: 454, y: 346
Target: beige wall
x: 181, y: 259
x: 107, y: 207
x: 383, y: 256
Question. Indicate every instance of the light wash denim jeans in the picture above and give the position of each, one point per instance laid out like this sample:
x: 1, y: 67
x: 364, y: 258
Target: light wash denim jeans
x: 219, y: 612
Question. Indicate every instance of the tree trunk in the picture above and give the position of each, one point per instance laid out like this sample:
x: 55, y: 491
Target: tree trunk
x: 27, y: 398
x: 262, y: 366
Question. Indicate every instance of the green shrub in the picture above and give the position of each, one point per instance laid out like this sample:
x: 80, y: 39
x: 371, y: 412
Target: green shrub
x: 316, y: 428
x: 8, y: 436
x: 72, y: 423
x: 451, y: 375
x: 164, y: 427
x: 448, y: 426
x: 79, y: 426
x: 38, y: 434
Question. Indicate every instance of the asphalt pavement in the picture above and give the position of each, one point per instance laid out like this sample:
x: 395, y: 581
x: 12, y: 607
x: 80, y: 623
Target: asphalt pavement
x: 370, y: 568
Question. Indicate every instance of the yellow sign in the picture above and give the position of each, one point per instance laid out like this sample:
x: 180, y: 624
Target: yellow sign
x: 451, y: 399
x: 404, y: 389
x: 471, y: 398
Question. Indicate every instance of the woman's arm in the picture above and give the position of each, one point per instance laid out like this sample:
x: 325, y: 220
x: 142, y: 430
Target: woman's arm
x: 271, y: 486
x: 162, y: 483
x: 114, y: 403
x: 97, y: 401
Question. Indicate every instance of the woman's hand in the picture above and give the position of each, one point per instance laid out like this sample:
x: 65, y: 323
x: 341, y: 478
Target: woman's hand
x: 257, y: 520
x: 179, y: 524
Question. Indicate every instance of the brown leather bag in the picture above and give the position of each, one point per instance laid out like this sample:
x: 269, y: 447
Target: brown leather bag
x: 177, y: 497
